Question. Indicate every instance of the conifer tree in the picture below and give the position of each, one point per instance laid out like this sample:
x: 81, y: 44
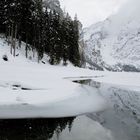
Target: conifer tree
x: 42, y: 29
x: 12, y: 19
x: 38, y: 20
x: 55, y: 42
x: 2, y: 26
x: 74, y: 49
x: 26, y: 24
x: 46, y: 31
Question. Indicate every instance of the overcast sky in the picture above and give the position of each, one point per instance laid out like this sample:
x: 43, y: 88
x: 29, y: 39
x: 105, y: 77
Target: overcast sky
x: 91, y: 11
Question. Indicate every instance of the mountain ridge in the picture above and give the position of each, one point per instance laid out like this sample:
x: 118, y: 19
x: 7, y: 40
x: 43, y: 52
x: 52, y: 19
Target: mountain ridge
x: 114, y: 44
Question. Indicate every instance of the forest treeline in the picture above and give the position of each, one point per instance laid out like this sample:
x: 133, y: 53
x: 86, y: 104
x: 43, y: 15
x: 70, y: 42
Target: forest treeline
x: 44, y: 31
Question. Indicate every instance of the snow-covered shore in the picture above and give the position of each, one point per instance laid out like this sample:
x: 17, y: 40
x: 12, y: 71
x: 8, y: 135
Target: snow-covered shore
x: 28, y: 89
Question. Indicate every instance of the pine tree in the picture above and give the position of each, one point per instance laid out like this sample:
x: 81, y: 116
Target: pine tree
x: 12, y: 19
x: 26, y: 25
x: 38, y: 23
x: 74, y: 43
x: 65, y: 34
x: 46, y: 31
x: 55, y: 41
x: 43, y: 30
x: 2, y: 26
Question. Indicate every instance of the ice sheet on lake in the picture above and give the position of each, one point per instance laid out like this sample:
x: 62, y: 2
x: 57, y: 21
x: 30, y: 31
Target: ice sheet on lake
x: 39, y: 104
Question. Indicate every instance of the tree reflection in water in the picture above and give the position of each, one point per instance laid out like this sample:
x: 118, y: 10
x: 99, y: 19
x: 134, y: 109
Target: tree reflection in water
x: 33, y: 129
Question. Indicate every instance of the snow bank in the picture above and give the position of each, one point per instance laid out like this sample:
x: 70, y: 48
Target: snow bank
x: 31, y: 90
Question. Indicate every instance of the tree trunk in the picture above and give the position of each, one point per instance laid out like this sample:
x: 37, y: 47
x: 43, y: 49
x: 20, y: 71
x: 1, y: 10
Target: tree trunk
x: 12, y: 36
x: 9, y: 35
x: 33, y: 50
x: 14, y: 45
x: 19, y: 43
x: 26, y: 49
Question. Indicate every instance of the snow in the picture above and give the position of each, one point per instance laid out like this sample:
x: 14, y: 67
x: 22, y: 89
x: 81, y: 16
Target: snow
x: 115, y: 41
x: 130, y: 80
x: 47, y: 89
x: 32, y: 90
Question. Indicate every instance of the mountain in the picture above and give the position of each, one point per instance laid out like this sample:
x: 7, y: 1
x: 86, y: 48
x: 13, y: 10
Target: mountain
x: 114, y: 44
x: 53, y: 5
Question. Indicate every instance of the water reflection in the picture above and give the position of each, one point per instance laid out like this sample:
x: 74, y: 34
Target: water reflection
x: 89, y: 82
x: 120, y: 122
x: 74, y: 128
x: 33, y: 129
x: 123, y: 118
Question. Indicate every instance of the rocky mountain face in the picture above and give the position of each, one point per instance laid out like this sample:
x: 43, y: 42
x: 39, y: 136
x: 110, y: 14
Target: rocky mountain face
x: 114, y: 44
x: 53, y: 5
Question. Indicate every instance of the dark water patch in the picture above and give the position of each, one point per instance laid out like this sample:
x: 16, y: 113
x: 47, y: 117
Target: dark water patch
x: 17, y: 87
x: 23, y: 88
x: 33, y: 129
x: 88, y: 82
x: 122, y: 120
x: 84, y: 77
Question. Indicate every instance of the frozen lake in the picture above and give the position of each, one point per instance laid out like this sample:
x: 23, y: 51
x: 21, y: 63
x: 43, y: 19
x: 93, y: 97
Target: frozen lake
x: 120, y: 121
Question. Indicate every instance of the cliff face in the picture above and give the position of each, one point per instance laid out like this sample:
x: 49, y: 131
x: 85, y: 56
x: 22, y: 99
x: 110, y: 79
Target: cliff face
x: 53, y: 5
x: 114, y: 44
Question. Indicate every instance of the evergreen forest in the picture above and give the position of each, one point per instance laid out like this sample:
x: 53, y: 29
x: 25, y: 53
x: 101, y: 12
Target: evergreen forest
x: 44, y: 30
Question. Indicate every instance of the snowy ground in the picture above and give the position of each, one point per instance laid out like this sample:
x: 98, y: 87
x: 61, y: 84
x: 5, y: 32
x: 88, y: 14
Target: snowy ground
x: 28, y: 89
x: 37, y: 88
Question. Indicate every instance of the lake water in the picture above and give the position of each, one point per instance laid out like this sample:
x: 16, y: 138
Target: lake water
x: 74, y: 128
x: 121, y: 121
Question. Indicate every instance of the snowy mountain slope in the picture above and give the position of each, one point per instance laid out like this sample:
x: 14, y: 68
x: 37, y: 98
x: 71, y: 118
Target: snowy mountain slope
x: 115, y: 43
x: 53, y: 5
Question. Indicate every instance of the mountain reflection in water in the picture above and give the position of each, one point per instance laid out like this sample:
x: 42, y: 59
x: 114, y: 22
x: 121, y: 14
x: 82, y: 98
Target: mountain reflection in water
x: 120, y: 122
x: 123, y: 118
